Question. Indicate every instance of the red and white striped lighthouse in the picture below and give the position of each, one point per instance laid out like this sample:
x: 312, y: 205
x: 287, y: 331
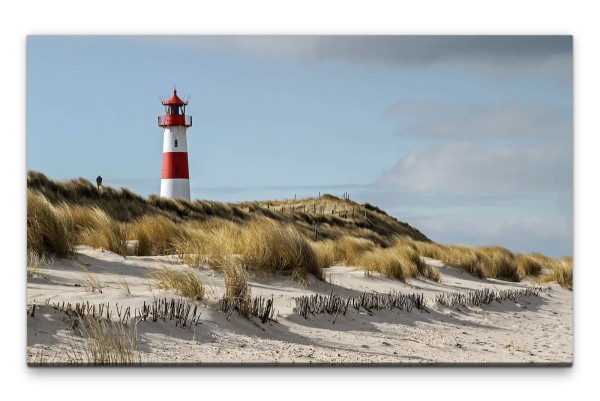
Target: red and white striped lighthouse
x: 175, y: 180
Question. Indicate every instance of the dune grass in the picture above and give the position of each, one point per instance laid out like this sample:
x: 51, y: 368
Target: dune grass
x: 90, y: 281
x: 482, y: 262
x: 185, y: 283
x: 124, y: 285
x: 400, y: 261
x: 97, y: 229
x: 36, y: 263
x: 463, y: 257
x: 215, y: 242
x: 124, y: 206
x: 547, y: 269
x: 349, y: 250
x: 528, y: 266
x: 272, y: 247
x: 107, y: 343
x: 558, y: 270
x: 562, y: 275
x: 49, y: 227
x: 408, y: 251
x: 549, y: 262
x: 269, y: 236
x: 324, y: 252
x: 237, y: 290
x: 498, y: 262
x: 260, y: 244
x: 156, y: 235
x: 388, y: 262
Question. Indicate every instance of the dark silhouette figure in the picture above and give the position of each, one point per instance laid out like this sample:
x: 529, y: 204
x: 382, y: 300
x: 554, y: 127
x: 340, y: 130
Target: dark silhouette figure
x: 99, y: 182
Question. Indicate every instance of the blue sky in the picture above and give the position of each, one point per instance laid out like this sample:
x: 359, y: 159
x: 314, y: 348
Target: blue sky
x: 470, y: 139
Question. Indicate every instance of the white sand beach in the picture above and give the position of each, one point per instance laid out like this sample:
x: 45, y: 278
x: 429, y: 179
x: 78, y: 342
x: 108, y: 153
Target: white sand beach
x: 537, y: 329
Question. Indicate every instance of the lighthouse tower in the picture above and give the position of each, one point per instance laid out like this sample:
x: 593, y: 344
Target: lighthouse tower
x: 175, y: 180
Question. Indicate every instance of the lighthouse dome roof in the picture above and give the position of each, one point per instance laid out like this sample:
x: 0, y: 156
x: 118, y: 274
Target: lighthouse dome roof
x: 175, y: 100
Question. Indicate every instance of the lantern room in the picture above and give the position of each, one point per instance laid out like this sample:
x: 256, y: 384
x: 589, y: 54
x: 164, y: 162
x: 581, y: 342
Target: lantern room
x: 174, y: 113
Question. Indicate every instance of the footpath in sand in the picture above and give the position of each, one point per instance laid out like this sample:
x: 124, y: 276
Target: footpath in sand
x: 533, y: 330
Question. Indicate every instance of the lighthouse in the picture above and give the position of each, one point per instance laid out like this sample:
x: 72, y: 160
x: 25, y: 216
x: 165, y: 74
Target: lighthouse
x: 175, y: 179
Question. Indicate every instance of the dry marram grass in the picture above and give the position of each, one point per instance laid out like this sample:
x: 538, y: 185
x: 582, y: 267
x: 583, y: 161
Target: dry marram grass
x: 90, y: 281
x: 185, y: 283
x: 49, y: 227
x: 36, y: 263
x: 482, y: 262
x: 156, y: 235
x: 556, y: 270
x: 237, y: 290
x: 349, y: 250
x: 123, y: 285
x: 99, y: 230
x: 260, y: 244
x: 562, y: 275
x: 273, y: 236
x: 107, y: 343
x: 528, y: 266
x: 408, y: 252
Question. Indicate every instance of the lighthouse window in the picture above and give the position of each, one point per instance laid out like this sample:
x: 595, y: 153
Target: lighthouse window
x: 174, y: 109
x: 175, y: 142
x: 176, y: 170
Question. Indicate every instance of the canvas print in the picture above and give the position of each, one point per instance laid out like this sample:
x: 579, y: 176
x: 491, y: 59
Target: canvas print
x: 299, y: 200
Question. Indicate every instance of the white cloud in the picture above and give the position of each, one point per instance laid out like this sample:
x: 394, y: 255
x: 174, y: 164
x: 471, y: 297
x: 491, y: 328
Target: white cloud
x: 469, y: 167
x: 512, y: 120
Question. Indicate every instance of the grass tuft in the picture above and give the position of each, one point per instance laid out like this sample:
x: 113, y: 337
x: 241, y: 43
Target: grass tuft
x: 528, y: 266
x: 185, y: 283
x: 49, y: 227
x: 124, y: 285
x: 562, y: 275
x: 498, y: 262
x: 109, y: 343
x: 237, y: 290
x: 325, y: 253
x: 90, y: 281
x: 349, y: 250
x: 99, y: 230
x: 272, y: 247
x: 482, y: 262
x: 556, y: 270
x: 385, y: 261
x: 156, y: 235
x: 36, y: 263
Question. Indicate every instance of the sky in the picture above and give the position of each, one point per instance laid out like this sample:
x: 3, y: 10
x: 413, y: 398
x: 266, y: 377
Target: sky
x: 467, y: 138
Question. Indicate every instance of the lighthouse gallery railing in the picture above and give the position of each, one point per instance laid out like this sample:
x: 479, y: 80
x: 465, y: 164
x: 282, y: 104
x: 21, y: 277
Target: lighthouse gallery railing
x: 174, y: 119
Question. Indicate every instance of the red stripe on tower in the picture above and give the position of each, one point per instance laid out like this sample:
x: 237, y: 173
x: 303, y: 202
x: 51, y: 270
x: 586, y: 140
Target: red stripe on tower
x: 175, y: 165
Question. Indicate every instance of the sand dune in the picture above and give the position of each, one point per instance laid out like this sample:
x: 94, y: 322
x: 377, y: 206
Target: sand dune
x: 536, y: 329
